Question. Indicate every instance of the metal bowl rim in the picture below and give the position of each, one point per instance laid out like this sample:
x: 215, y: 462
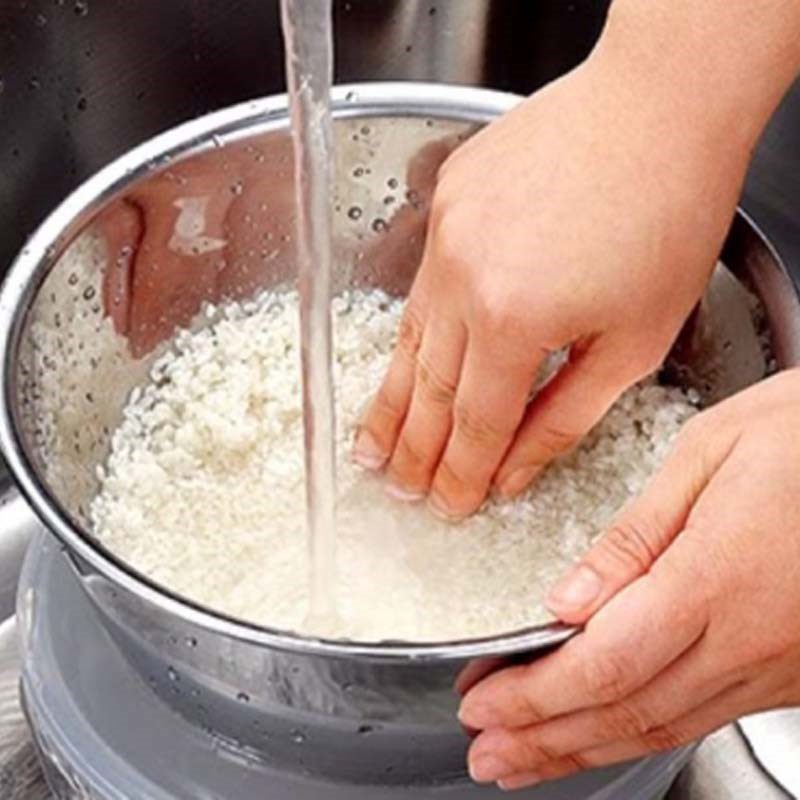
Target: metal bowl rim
x: 362, y: 100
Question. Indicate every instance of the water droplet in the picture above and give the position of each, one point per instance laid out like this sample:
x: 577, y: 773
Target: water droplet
x: 82, y: 104
x: 412, y: 195
x: 365, y: 131
x: 81, y: 7
x: 237, y: 188
x: 409, y: 48
x: 40, y: 20
x: 243, y: 697
x: 379, y: 225
x: 73, y: 279
x: 432, y: 11
x: 365, y: 730
x: 429, y: 123
x: 392, y: 183
x: 172, y: 674
x: 298, y: 737
x: 191, y: 641
x: 358, y: 172
x: 34, y: 83
x: 354, y: 212
x: 388, y: 200
x: 351, y: 97
x: 88, y: 293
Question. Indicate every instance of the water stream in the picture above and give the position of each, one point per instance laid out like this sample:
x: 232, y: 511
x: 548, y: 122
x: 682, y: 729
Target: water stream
x: 307, y: 31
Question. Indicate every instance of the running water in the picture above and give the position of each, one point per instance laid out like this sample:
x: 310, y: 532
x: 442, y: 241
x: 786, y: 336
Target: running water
x: 309, y: 66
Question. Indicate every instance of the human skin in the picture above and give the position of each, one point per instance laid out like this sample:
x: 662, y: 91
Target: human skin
x: 690, y: 601
x: 588, y: 218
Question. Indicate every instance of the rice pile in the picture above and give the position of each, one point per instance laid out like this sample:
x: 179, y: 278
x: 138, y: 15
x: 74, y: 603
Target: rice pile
x: 204, y: 492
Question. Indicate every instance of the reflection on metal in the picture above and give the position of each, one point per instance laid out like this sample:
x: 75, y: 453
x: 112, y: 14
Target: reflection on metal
x: 87, y: 308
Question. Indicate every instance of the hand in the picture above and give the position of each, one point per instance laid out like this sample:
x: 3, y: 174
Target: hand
x: 583, y: 219
x: 692, y: 600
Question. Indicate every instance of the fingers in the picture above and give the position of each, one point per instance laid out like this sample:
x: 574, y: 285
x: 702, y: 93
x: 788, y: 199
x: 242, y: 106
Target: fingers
x: 489, y: 403
x: 564, y: 411
x: 684, y: 686
x: 712, y: 715
x: 377, y: 435
x: 120, y: 226
x: 643, y: 530
x: 429, y: 418
x: 626, y: 644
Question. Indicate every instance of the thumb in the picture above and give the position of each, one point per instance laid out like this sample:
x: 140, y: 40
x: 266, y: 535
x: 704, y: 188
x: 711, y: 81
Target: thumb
x: 645, y: 527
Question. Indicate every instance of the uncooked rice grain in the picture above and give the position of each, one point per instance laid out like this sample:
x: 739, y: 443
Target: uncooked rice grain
x: 204, y: 488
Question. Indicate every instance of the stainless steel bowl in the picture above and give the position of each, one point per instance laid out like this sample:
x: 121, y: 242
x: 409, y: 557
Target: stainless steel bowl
x: 69, y: 371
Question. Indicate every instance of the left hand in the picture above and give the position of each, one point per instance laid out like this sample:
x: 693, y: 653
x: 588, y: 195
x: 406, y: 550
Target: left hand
x: 693, y: 606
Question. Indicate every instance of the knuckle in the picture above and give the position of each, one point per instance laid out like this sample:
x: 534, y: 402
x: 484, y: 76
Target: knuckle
x: 475, y: 428
x: 532, y: 709
x: 451, y: 228
x: 498, y: 316
x: 628, y: 541
x: 553, y: 441
x: 664, y: 737
x: 451, y: 482
x: 607, y: 677
x: 564, y: 767
x: 625, y: 720
x: 450, y: 478
x: 534, y: 752
x: 436, y: 389
x: 409, y: 334
x: 408, y: 457
x: 385, y: 405
x: 576, y: 762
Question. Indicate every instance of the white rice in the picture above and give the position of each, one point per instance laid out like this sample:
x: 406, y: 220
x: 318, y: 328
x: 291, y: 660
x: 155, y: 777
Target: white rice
x: 204, y: 492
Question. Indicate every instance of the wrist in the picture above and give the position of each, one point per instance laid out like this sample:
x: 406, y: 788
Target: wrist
x: 713, y: 72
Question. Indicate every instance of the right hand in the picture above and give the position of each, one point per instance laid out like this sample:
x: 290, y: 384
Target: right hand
x: 588, y: 218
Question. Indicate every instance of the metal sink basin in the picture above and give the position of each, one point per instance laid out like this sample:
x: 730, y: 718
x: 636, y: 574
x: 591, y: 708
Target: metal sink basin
x: 75, y: 92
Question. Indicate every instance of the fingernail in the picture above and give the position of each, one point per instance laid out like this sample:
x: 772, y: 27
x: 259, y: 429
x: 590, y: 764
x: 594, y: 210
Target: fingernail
x: 517, y: 482
x: 488, y: 769
x: 521, y: 781
x: 402, y: 494
x: 440, y: 508
x: 577, y: 590
x: 367, y: 453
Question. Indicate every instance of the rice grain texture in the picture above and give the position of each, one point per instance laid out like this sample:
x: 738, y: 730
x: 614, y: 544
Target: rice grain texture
x: 204, y: 488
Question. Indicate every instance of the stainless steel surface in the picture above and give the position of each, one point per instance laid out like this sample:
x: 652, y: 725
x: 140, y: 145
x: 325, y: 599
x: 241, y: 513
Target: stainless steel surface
x: 83, y: 81
x: 68, y: 372
x: 774, y: 741
x: 15, y: 530
x: 74, y: 93
x: 723, y: 769
x: 73, y: 696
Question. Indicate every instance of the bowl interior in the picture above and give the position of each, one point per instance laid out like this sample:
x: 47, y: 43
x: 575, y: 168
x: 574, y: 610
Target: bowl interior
x: 103, y: 307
